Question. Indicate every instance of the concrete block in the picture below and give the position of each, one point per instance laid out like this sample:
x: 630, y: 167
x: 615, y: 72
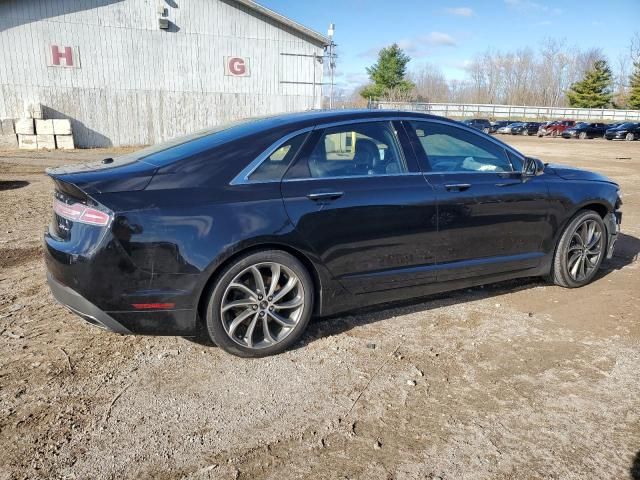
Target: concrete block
x: 24, y: 126
x: 46, y: 142
x: 6, y: 127
x: 65, y: 142
x: 44, y: 127
x: 8, y: 141
x: 62, y: 126
x: 35, y: 111
x: 27, y: 142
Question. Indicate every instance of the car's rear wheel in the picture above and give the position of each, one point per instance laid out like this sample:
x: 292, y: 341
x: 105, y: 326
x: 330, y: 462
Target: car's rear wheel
x: 629, y: 137
x: 525, y: 132
x: 260, y: 305
x: 580, y: 250
x: 485, y: 130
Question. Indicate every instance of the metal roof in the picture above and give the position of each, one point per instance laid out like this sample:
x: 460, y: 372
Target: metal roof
x: 298, y: 27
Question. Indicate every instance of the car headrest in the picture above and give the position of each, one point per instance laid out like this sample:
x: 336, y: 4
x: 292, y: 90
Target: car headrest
x: 367, y: 153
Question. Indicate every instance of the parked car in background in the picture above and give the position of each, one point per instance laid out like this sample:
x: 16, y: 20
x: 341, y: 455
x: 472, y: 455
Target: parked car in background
x: 246, y: 230
x: 479, y: 123
x: 558, y: 127
x: 586, y: 130
x: 495, y: 126
x: 627, y: 131
x: 542, y: 131
x: 527, y: 128
x: 507, y: 128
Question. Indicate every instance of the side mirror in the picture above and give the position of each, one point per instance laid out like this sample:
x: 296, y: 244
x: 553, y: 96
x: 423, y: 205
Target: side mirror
x: 532, y: 167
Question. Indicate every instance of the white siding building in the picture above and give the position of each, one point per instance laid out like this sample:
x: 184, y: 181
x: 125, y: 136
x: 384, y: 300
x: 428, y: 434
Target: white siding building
x: 131, y: 72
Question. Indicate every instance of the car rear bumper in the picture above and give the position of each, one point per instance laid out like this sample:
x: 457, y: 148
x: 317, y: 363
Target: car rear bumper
x: 83, y: 307
x: 108, y: 291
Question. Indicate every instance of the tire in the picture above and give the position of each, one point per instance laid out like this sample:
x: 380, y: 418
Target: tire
x: 229, y: 326
x: 486, y: 130
x: 582, y: 135
x: 525, y: 132
x: 629, y: 137
x: 554, y: 134
x: 572, y: 265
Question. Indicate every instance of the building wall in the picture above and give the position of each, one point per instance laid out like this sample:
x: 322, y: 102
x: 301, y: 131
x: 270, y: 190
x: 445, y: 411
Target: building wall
x: 138, y: 84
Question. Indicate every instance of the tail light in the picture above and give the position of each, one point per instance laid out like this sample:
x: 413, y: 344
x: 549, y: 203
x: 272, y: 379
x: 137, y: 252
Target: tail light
x: 77, y: 212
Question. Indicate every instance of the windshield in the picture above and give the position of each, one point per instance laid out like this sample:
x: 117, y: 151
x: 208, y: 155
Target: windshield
x: 627, y: 125
x: 155, y: 150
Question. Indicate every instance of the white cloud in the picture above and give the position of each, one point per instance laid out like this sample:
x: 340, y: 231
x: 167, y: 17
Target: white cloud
x: 439, y: 38
x: 460, y: 11
x: 531, y: 6
x: 418, y: 46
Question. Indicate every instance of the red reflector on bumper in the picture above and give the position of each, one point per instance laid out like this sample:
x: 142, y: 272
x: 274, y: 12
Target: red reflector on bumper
x: 152, y: 306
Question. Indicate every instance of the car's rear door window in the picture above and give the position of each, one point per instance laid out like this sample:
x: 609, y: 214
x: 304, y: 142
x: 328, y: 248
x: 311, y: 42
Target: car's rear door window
x: 359, y: 149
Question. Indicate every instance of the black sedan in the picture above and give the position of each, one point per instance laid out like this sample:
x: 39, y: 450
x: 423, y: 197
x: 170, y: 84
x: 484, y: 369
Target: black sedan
x: 247, y: 230
x: 479, y: 124
x: 528, y: 128
x: 584, y: 130
x: 626, y: 131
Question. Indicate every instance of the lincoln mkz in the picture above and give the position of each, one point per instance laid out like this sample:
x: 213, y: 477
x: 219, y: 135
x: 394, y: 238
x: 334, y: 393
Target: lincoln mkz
x: 247, y: 230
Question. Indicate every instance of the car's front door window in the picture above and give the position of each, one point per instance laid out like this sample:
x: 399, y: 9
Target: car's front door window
x: 451, y: 149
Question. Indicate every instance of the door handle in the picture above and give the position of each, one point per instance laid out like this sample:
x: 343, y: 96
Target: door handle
x: 457, y: 187
x: 318, y: 196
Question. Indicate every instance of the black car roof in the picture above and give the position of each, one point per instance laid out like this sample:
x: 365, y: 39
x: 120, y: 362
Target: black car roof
x: 329, y: 116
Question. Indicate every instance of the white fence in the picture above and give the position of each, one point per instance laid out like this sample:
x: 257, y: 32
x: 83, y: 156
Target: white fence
x: 508, y: 112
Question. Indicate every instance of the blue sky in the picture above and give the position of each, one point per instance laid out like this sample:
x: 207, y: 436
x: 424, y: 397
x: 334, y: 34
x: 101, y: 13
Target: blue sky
x: 449, y: 33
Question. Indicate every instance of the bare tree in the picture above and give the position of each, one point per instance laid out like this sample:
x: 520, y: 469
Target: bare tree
x: 430, y: 84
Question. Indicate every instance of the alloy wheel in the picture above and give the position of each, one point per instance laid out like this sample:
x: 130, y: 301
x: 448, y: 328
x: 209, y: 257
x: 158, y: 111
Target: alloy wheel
x: 629, y: 136
x: 262, y: 305
x: 585, y: 249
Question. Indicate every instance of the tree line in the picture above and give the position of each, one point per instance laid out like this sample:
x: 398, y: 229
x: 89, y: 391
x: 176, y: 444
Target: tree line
x: 555, y: 75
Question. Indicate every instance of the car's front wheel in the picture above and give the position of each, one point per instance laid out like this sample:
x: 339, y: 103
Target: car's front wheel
x: 260, y: 305
x: 580, y: 250
x: 629, y: 137
x: 583, y: 135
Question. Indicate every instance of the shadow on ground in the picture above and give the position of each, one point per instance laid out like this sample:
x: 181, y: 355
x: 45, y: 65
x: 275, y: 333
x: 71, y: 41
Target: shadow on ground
x: 634, y: 471
x: 12, y: 184
x: 626, y: 252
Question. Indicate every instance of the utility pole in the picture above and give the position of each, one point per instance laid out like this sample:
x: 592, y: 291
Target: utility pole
x: 332, y: 61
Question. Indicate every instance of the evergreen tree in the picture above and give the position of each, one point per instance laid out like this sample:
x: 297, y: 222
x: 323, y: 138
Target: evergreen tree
x: 634, y: 94
x: 388, y: 74
x: 594, y: 90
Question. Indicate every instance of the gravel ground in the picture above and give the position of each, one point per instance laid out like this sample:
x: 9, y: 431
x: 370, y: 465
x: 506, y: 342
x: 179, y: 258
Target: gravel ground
x: 511, y: 381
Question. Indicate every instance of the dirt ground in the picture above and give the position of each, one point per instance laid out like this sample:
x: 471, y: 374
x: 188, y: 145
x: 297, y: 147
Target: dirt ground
x: 512, y: 381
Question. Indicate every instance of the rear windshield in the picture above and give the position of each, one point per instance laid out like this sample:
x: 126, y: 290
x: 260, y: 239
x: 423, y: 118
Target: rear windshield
x: 188, y: 145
